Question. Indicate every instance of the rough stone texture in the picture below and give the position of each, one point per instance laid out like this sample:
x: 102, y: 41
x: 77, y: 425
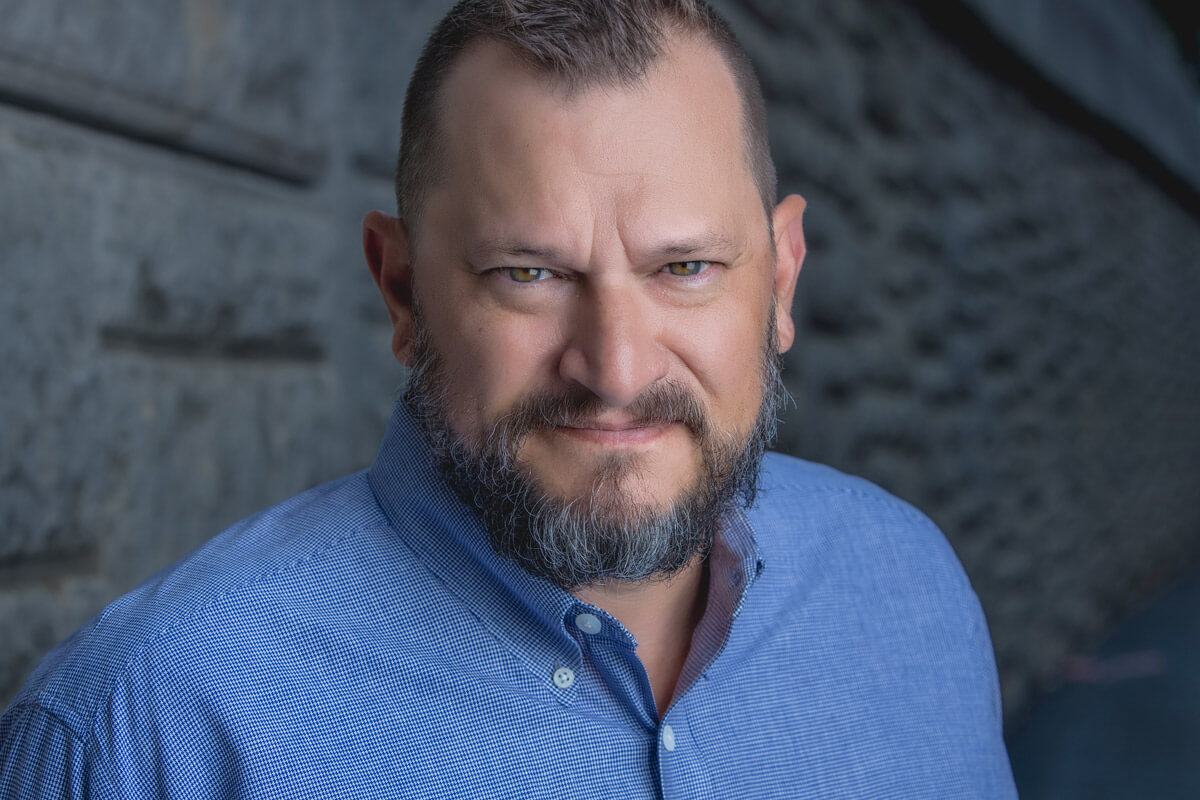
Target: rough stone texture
x: 233, y: 80
x: 995, y: 314
x: 176, y: 358
x: 381, y: 42
x: 130, y: 280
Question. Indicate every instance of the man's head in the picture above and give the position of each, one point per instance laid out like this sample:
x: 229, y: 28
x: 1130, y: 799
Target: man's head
x: 587, y: 284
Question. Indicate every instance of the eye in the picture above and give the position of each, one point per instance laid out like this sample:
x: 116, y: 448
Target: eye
x: 687, y: 269
x: 525, y: 274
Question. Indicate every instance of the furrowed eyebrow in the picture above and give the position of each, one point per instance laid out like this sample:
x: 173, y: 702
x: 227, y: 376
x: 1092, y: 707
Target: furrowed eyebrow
x: 492, y: 250
x: 684, y: 249
x: 707, y: 244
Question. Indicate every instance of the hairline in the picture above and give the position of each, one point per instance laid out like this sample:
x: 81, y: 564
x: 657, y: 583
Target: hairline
x: 756, y: 154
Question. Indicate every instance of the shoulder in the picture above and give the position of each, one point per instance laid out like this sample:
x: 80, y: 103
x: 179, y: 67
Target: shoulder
x: 202, y: 595
x: 793, y: 490
x: 810, y: 514
x: 787, y: 478
x: 862, y: 559
x: 862, y: 600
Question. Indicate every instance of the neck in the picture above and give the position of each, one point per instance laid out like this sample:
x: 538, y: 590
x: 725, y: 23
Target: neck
x: 661, y: 615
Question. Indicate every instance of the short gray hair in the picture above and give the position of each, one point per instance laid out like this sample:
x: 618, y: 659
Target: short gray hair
x: 580, y: 44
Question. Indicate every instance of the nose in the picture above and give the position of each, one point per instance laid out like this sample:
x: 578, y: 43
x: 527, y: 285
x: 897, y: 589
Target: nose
x: 613, y: 347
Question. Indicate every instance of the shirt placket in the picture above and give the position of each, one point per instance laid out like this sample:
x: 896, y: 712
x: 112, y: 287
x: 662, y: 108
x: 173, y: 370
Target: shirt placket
x: 611, y: 663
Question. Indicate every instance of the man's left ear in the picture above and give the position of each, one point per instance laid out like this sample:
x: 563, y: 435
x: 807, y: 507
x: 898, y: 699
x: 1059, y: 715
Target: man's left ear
x: 789, y: 257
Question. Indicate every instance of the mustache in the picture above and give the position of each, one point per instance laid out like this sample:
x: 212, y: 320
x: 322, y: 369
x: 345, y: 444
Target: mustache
x: 662, y: 403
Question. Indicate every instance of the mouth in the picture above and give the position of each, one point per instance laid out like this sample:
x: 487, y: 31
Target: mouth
x: 616, y: 434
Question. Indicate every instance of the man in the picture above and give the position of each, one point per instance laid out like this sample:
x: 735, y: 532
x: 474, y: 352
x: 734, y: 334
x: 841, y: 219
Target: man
x: 570, y: 571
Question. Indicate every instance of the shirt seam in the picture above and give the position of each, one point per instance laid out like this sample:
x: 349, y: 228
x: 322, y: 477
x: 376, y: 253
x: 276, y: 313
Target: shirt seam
x: 108, y: 767
x: 37, y: 704
x: 88, y: 742
x: 89, y: 717
x: 882, y: 500
x: 879, y: 495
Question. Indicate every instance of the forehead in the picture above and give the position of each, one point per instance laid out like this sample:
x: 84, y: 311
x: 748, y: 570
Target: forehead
x: 522, y: 150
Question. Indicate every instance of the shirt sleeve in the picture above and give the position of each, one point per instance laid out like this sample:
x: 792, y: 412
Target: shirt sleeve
x: 41, y: 757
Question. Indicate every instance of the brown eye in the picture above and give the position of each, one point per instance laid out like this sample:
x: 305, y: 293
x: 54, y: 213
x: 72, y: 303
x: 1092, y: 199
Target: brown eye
x: 526, y: 274
x: 687, y: 269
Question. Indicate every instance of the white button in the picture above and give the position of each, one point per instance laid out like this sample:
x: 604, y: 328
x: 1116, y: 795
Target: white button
x: 564, y: 677
x: 588, y: 623
x: 668, y: 737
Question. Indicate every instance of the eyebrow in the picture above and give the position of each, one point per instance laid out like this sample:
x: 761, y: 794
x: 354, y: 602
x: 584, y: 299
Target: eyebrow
x: 664, y: 252
x: 680, y: 249
x: 524, y: 251
x: 498, y: 249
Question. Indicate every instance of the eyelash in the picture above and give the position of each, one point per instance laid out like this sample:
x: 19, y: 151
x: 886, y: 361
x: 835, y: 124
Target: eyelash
x: 543, y: 273
x: 704, y: 266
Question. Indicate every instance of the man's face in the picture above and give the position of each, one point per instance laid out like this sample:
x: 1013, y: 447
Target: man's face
x: 608, y: 249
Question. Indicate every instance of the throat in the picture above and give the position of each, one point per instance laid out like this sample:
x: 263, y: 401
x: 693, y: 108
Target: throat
x: 662, y: 616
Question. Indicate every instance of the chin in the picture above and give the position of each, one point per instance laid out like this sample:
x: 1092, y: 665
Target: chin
x: 620, y: 486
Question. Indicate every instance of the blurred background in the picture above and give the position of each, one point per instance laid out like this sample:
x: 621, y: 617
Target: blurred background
x: 998, y: 312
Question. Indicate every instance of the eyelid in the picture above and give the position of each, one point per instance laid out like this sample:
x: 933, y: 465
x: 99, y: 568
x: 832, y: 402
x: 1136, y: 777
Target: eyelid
x: 543, y: 273
x: 707, y: 266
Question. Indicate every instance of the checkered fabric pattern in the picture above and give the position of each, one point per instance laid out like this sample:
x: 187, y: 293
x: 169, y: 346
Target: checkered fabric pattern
x: 362, y: 640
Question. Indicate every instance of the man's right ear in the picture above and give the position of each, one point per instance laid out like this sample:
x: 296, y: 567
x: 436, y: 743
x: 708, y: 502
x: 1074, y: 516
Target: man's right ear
x: 386, y: 246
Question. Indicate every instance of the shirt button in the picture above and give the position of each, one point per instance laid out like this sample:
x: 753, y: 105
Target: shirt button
x: 668, y: 737
x: 588, y: 623
x: 564, y: 677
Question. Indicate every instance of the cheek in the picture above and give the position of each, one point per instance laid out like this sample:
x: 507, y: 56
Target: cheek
x: 492, y: 362
x: 725, y: 356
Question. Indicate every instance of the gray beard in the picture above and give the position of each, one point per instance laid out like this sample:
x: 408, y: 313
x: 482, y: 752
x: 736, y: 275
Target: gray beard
x: 600, y: 536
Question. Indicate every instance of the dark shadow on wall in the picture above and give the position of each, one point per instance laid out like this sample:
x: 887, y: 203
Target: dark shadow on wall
x: 976, y: 42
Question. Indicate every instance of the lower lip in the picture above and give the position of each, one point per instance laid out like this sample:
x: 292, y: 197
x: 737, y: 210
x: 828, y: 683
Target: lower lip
x: 625, y: 436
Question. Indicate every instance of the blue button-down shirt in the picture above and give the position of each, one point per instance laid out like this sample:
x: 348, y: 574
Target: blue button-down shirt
x: 362, y: 640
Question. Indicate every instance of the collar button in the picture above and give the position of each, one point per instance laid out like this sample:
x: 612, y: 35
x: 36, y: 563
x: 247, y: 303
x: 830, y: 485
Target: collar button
x: 564, y: 677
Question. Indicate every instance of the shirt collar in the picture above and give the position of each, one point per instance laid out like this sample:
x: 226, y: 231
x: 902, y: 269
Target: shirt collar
x: 450, y: 538
x: 733, y: 566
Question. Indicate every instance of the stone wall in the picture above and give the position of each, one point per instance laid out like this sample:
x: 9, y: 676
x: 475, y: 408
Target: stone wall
x: 996, y: 309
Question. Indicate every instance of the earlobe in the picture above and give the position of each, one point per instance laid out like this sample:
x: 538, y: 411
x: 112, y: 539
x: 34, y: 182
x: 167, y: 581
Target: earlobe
x: 386, y: 247
x: 788, y: 220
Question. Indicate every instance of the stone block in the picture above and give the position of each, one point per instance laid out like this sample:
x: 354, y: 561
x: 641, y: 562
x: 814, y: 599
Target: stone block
x: 380, y: 42
x: 236, y: 80
x: 167, y: 347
